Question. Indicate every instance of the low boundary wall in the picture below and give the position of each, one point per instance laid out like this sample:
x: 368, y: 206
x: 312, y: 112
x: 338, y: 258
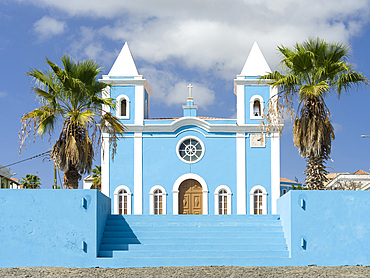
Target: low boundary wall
x: 63, y: 228
x: 51, y: 227
x: 326, y: 227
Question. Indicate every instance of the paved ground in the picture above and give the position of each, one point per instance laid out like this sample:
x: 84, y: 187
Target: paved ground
x: 193, y: 272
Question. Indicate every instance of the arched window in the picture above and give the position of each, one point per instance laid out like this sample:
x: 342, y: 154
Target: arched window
x: 256, y: 107
x: 122, y: 107
x: 157, y: 200
x: 122, y: 200
x: 222, y: 200
x: 258, y: 200
x: 123, y: 111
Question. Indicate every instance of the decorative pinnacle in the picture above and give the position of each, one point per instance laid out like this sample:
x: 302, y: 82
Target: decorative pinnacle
x: 190, y: 87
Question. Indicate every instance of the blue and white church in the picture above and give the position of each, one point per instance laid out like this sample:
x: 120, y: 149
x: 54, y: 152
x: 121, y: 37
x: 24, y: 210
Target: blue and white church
x: 192, y: 164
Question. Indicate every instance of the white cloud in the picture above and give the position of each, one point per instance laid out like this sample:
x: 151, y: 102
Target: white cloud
x: 47, y: 27
x: 172, y: 90
x: 210, y: 37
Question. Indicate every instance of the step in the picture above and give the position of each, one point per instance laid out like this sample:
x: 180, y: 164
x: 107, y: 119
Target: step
x: 190, y: 234
x: 199, y: 254
x: 193, y: 223
x: 195, y: 240
x: 146, y: 218
x: 187, y: 228
x: 193, y: 261
x: 151, y: 246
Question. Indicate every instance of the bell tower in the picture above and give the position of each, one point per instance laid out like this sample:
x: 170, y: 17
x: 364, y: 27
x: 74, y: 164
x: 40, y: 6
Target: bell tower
x: 252, y: 93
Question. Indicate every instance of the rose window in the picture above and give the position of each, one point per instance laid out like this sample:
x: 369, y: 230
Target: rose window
x: 190, y: 150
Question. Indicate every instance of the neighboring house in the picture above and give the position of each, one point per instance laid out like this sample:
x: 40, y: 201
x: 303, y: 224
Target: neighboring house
x: 191, y: 164
x: 287, y: 185
x: 359, y: 180
x: 87, y: 182
x: 6, y: 180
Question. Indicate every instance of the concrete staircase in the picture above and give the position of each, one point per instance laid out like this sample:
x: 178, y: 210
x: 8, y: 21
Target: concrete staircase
x: 190, y: 240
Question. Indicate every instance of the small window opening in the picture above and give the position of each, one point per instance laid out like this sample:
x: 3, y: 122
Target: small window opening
x: 122, y: 201
x: 222, y: 202
x: 257, y: 108
x: 284, y: 191
x: 258, y: 202
x: 123, y: 104
x: 158, y: 201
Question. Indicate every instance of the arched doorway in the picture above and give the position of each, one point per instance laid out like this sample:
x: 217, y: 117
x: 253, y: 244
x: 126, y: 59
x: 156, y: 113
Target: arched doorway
x: 190, y: 197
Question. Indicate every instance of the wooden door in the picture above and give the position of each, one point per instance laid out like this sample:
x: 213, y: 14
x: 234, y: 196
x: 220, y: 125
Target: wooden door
x: 190, y: 198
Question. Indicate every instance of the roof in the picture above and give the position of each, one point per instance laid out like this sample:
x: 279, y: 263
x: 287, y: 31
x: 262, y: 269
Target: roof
x: 256, y: 64
x: 124, y: 64
x: 287, y: 180
x: 361, y: 172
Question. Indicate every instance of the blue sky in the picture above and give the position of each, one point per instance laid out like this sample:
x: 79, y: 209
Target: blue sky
x: 175, y: 43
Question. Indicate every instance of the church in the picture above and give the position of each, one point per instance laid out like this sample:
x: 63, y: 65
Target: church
x: 192, y: 164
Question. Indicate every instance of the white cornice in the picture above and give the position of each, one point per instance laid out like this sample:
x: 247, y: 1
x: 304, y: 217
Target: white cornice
x: 186, y: 121
x: 138, y: 80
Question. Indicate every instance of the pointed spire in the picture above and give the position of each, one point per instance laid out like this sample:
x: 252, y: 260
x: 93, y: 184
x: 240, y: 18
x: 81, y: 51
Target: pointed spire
x: 124, y: 64
x: 256, y: 63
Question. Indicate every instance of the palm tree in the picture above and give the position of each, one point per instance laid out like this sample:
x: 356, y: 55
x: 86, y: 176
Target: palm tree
x: 31, y: 182
x: 73, y: 97
x: 96, y: 184
x: 312, y: 70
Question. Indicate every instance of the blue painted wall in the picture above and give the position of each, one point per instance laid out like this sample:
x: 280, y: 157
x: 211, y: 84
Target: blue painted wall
x: 263, y: 91
x: 162, y: 166
x: 48, y: 227
x: 334, y: 224
x: 128, y: 91
x: 258, y: 170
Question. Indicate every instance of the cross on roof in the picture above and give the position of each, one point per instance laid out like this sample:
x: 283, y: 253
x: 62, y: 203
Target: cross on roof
x: 190, y: 87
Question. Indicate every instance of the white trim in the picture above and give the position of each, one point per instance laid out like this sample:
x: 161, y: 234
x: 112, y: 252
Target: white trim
x: 139, y: 104
x: 182, y: 140
x: 175, y: 191
x: 225, y: 187
x: 138, y: 173
x: 193, y: 121
x: 116, y: 208
x: 241, y: 198
x: 264, y: 199
x: 251, y: 106
x: 275, y: 171
x: 151, y: 199
x: 240, y: 104
x: 105, y: 151
x: 118, y: 107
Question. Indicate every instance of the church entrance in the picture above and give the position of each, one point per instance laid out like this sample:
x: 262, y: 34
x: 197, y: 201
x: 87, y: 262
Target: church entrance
x: 190, y: 197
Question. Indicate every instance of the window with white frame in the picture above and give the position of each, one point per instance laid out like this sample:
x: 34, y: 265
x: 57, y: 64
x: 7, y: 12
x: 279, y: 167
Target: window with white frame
x: 123, y: 107
x: 122, y: 200
x: 222, y: 200
x: 258, y: 200
x: 256, y: 107
x: 190, y: 149
x: 157, y: 200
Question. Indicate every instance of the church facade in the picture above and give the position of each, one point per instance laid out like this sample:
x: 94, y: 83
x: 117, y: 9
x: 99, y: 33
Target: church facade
x: 191, y: 164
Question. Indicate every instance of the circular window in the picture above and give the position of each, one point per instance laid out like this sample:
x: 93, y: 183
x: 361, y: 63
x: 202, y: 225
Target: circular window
x: 190, y: 149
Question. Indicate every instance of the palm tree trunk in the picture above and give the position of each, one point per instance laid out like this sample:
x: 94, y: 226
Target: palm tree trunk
x: 315, y: 173
x: 71, y: 178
